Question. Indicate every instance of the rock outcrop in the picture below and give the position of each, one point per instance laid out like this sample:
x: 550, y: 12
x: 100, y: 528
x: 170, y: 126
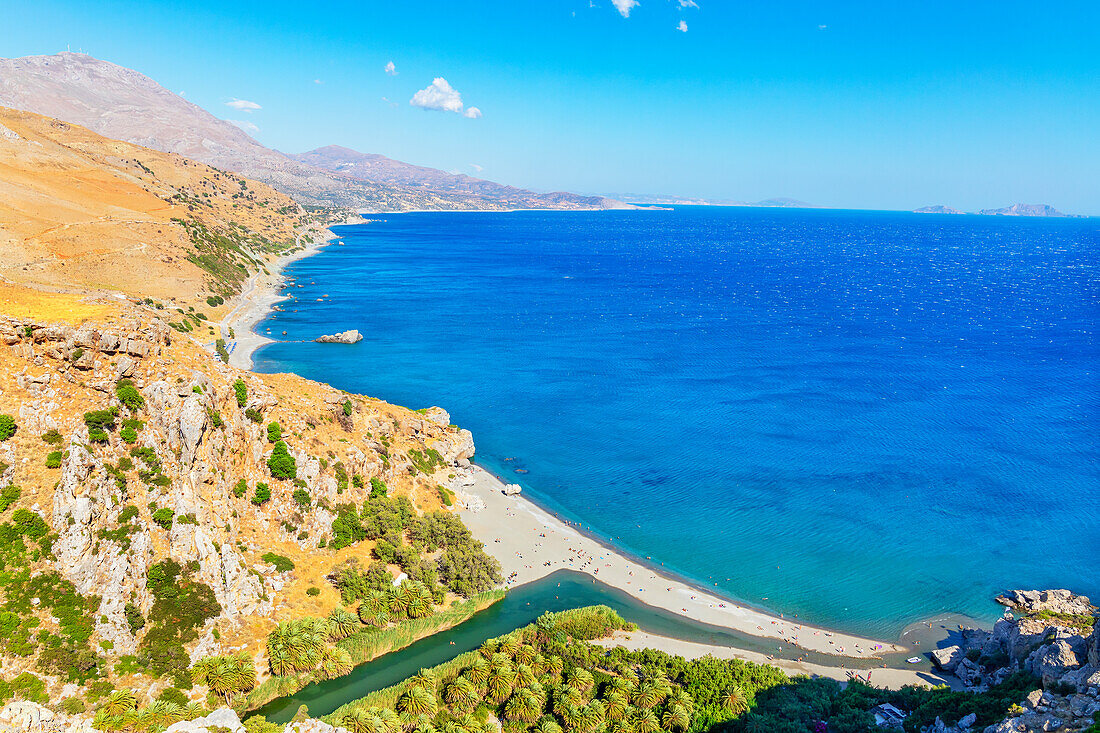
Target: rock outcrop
x: 344, y: 337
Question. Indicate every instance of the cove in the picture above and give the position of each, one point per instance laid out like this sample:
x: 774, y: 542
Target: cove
x: 559, y: 591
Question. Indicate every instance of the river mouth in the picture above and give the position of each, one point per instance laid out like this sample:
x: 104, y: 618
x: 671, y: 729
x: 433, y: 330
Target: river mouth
x: 559, y: 591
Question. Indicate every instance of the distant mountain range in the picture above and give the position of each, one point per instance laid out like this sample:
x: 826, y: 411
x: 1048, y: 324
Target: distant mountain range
x: 669, y: 200
x: 123, y: 104
x: 1041, y: 210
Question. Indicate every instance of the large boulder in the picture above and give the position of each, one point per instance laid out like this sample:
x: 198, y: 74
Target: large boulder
x: 344, y: 337
x: 947, y: 658
x: 1052, y: 661
x: 222, y: 720
x: 1060, y: 600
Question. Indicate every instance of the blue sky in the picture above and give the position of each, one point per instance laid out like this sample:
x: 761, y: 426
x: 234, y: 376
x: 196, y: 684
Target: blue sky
x: 857, y: 104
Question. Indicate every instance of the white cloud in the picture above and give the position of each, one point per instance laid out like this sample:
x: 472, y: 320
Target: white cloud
x: 318, y: 81
x: 683, y: 27
x: 689, y: 4
x: 624, y: 6
x: 244, y: 125
x: 243, y: 105
x: 477, y: 167
x: 822, y: 27
x: 391, y: 68
x: 442, y: 97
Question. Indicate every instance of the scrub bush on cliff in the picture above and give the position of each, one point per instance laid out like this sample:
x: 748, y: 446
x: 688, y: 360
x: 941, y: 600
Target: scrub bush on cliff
x: 281, y: 463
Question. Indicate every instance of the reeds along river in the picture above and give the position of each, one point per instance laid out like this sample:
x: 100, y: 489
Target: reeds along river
x: 866, y: 418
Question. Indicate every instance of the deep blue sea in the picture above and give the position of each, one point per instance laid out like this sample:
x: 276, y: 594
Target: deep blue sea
x: 864, y: 418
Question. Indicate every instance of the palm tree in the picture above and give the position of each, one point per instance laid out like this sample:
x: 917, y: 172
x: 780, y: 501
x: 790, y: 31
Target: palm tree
x: 554, y: 666
x: 509, y: 646
x: 357, y: 721
x: 647, y: 695
x: 374, y: 617
x: 164, y: 713
x: 295, y: 646
x: 416, y: 701
x: 681, y: 698
x: 342, y: 623
x: 547, y: 725
x: 335, y: 662
x: 591, y: 717
x: 488, y: 648
x: 526, y: 655
x: 570, y: 715
x: 523, y: 706
x: 644, y: 721
x: 616, y: 705
x: 102, y: 721
x: 424, y: 678
x: 734, y: 700
x: 499, y: 682
x: 388, y: 719
x: 567, y: 697
x: 119, y: 702
x: 478, y: 671
x: 525, y: 676
x: 581, y: 680
x: 755, y: 723
x: 461, y: 694
x: 675, y: 718
x: 225, y: 676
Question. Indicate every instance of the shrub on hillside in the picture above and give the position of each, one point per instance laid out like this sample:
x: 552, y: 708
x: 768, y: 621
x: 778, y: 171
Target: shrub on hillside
x: 7, y: 427
x: 262, y: 495
x: 274, y: 432
x: 128, y: 395
x: 241, y: 392
x: 281, y: 463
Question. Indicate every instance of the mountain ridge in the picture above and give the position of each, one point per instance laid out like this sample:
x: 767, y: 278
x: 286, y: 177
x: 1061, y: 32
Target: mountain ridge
x: 124, y: 104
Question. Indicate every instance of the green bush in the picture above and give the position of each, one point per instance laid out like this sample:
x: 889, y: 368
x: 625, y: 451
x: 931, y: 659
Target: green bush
x: 281, y: 463
x: 52, y: 437
x: 254, y: 415
x: 241, y: 391
x: 53, y: 459
x: 274, y: 432
x: 262, y: 495
x: 8, y: 496
x: 128, y: 395
x: 129, y: 435
x: 302, y: 498
x: 7, y: 427
x: 313, y: 591
x: 99, y: 422
x: 73, y: 705
x: 348, y: 407
x: 240, y: 488
x: 163, y: 517
x: 282, y: 564
x: 378, y: 488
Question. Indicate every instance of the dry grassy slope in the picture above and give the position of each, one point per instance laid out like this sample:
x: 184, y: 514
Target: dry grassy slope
x: 45, y: 385
x: 80, y: 211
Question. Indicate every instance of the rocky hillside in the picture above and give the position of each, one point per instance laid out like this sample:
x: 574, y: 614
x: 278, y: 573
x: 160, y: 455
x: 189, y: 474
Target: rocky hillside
x: 160, y: 507
x: 78, y: 210
x: 1053, y: 635
x: 124, y: 104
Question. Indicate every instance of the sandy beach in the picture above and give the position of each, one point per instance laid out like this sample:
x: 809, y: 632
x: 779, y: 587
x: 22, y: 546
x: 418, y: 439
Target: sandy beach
x: 879, y: 676
x: 259, y: 294
x: 531, y: 543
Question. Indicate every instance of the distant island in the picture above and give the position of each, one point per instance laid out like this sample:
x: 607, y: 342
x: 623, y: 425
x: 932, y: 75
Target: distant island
x: 1024, y: 210
x: 937, y: 209
x: 1045, y: 210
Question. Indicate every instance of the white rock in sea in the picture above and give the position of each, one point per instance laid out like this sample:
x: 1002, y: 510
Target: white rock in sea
x: 346, y: 337
x: 511, y: 489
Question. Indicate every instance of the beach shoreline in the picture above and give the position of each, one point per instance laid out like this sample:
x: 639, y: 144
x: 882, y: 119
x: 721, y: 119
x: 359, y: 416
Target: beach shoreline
x: 531, y: 543
x: 261, y: 292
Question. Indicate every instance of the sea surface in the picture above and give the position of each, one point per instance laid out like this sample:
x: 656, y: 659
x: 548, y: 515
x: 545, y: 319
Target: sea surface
x: 863, y: 418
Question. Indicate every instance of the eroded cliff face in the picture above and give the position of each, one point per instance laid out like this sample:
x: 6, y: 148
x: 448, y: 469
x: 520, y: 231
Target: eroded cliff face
x: 177, y: 476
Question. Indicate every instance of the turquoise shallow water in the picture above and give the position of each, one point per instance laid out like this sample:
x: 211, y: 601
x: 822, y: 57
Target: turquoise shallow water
x: 864, y: 418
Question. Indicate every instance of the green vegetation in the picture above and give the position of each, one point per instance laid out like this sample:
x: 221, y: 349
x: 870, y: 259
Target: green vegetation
x: 274, y: 432
x: 163, y: 517
x: 7, y: 427
x: 128, y: 395
x: 241, y: 392
x: 425, y: 462
x: 254, y: 415
x: 99, y: 422
x: 302, y: 499
x: 281, y: 463
x: 348, y: 407
x: 282, y: 564
x: 8, y: 496
x: 262, y: 495
x: 181, y: 606
x: 240, y: 488
x: 225, y: 676
x: 215, y: 300
x: 378, y: 488
x: 1081, y: 623
x: 221, y: 350
x: 52, y: 437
